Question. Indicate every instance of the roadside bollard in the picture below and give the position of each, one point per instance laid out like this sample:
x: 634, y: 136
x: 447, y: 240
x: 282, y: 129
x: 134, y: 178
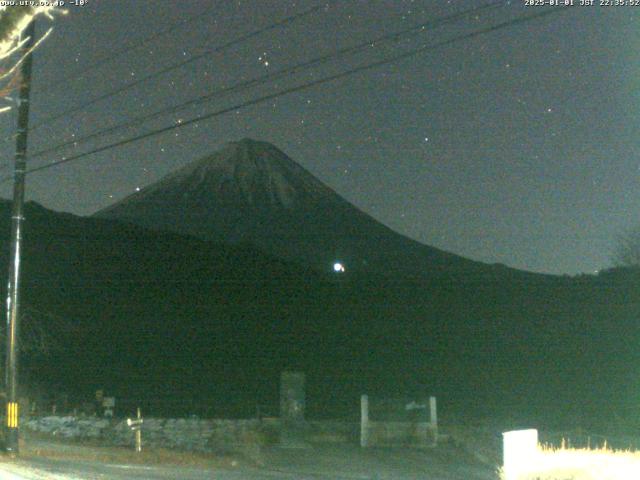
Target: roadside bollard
x: 136, y: 426
x: 520, y: 449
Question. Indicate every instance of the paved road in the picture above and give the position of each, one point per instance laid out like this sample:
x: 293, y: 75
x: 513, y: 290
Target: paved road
x: 68, y: 470
x: 339, y: 462
x: 64, y: 470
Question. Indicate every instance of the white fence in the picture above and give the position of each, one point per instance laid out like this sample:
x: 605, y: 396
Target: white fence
x: 415, y: 430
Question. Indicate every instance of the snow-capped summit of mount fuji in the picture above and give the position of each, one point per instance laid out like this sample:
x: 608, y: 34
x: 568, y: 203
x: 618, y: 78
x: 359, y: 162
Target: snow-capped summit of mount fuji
x: 252, y: 192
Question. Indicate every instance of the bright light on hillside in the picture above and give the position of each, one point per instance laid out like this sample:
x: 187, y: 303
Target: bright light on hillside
x: 338, y: 267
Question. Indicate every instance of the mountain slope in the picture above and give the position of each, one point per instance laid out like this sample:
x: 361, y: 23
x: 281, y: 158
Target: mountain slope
x: 251, y: 192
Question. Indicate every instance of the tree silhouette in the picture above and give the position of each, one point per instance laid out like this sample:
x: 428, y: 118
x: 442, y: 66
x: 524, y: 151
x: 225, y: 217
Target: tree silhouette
x: 626, y: 252
x: 13, y: 21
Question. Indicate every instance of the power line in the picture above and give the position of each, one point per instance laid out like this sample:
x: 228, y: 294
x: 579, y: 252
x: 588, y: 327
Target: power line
x: 370, y: 66
x: 127, y: 49
x: 417, y: 29
x: 170, y: 68
x: 297, y: 88
x: 136, y: 44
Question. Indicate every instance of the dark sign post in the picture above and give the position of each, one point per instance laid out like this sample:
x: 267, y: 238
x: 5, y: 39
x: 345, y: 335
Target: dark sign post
x: 292, y: 406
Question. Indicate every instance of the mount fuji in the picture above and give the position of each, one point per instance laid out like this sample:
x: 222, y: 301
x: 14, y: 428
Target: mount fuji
x: 250, y: 192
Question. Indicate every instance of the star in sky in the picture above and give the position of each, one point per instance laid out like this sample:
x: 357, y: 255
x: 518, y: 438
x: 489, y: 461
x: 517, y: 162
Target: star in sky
x: 511, y: 95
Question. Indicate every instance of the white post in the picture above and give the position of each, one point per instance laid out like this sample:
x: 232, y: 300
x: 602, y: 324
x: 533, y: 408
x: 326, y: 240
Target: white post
x: 433, y: 418
x: 433, y: 412
x: 136, y: 425
x: 364, y: 421
x: 139, y: 432
x: 520, y: 448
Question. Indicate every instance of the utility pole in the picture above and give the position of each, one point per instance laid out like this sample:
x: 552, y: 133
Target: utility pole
x: 17, y: 217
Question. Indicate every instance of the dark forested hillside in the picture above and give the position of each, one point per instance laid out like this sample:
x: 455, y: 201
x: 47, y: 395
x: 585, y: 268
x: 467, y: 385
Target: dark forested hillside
x: 182, y: 326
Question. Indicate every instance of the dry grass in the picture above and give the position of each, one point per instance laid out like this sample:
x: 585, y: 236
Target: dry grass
x: 39, y: 445
x: 484, y: 443
x: 579, y: 464
x: 121, y: 455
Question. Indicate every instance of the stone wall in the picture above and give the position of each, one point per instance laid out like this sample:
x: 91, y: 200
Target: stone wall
x: 222, y: 436
x: 192, y: 434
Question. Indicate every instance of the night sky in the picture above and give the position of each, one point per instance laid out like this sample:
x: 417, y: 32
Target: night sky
x: 519, y: 146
